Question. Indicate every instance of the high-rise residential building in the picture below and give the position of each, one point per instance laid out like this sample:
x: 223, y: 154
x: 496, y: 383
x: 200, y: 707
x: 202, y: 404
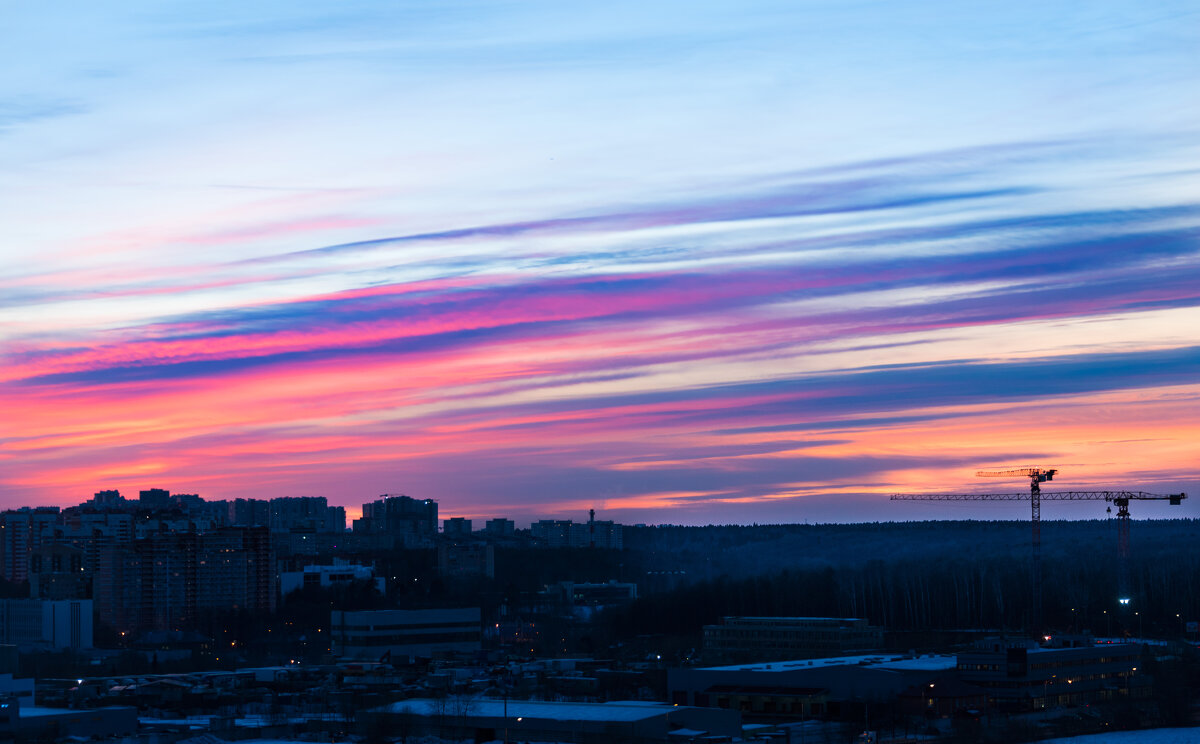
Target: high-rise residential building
x: 500, y: 528
x: 21, y: 531
x: 456, y: 527
x: 286, y: 513
x: 108, y: 498
x: 563, y: 533
x: 172, y: 580
x: 57, y: 571
x: 249, y: 513
x: 554, y: 533
x: 91, y: 528
x: 305, y: 512
x: 412, y: 521
x: 117, y: 586
x: 154, y: 498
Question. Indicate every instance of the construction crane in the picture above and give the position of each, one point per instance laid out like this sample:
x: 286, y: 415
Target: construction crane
x: 1037, y: 476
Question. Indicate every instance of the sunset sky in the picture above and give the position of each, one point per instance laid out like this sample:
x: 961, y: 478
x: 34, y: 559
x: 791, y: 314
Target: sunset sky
x: 680, y: 262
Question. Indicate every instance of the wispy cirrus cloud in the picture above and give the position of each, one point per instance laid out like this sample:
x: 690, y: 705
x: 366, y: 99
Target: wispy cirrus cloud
x: 526, y: 267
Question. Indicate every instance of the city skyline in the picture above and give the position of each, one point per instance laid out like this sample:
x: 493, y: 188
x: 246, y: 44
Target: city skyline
x: 678, y: 263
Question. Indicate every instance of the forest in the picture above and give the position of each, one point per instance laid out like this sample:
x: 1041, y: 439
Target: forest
x: 921, y: 576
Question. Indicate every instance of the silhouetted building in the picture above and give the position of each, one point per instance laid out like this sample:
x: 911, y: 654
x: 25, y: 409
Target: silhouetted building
x: 500, y: 528
x: 563, y: 533
x: 305, y: 512
x: 410, y: 521
x: 110, y: 498
x: 21, y: 532
x: 456, y: 527
x: 154, y: 498
x: 249, y: 513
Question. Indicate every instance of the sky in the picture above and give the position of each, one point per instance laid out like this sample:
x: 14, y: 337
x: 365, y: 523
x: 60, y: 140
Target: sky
x: 678, y: 262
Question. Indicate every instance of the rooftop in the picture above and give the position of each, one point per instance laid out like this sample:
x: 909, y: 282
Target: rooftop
x: 489, y: 708
x: 931, y: 662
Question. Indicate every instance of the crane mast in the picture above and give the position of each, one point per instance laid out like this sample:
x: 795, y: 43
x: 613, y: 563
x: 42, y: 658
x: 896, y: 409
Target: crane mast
x: 1037, y: 476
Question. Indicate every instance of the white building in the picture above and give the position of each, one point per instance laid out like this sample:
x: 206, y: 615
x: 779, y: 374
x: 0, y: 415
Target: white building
x: 327, y: 576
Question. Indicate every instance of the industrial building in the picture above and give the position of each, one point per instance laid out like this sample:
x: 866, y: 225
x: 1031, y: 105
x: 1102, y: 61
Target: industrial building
x: 587, y: 723
x: 372, y: 634
x: 804, y: 688
x: 1071, y: 670
x: 43, y: 624
x: 752, y: 639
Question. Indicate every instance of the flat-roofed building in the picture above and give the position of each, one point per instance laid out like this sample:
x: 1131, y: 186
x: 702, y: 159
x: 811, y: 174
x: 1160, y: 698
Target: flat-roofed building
x: 482, y: 719
x: 339, y: 574
x: 790, y: 690
x: 1071, y: 670
x: 500, y: 528
x: 371, y: 634
x: 43, y: 624
x: 749, y: 639
x: 563, y: 533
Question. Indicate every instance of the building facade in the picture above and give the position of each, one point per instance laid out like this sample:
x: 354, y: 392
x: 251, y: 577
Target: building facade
x: 750, y: 639
x: 563, y: 533
x: 1074, y: 670
x: 373, y: 634
x: 34, y: 624
x: 405, y: 521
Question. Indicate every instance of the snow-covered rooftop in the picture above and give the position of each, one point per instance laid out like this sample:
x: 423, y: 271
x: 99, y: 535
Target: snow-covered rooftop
x: 931, y: 662
x: 489, y: 708
x: 1149, y: 736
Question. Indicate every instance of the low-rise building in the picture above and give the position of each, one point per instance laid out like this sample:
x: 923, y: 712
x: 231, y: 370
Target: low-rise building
x: 789, y: 690
x: 373, y: 634
x: 1071, y: 670
x: 43, y: 624
x: 485, y: 719
x: 750, y: 639
x: 339, y: 574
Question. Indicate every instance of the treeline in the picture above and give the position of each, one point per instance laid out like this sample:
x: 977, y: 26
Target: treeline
x: 741, y: 550
x: 944, y: 592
